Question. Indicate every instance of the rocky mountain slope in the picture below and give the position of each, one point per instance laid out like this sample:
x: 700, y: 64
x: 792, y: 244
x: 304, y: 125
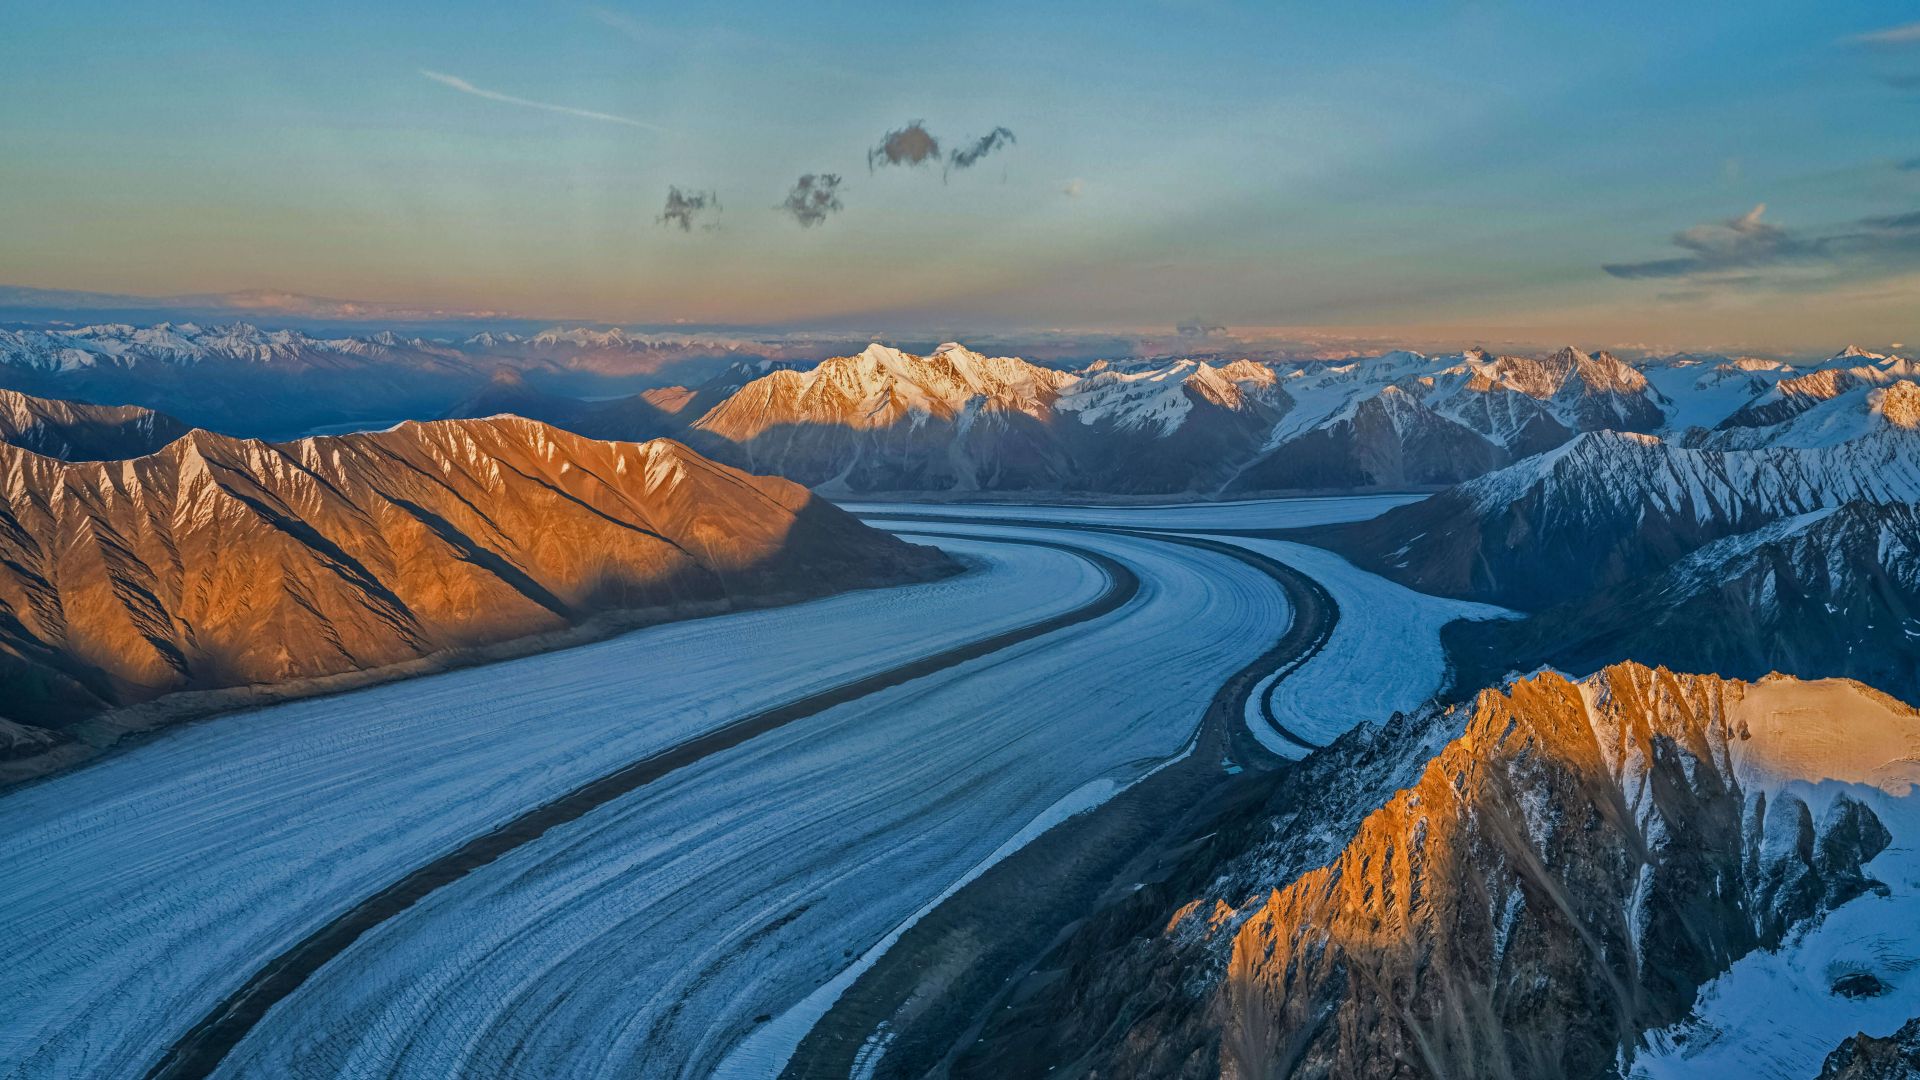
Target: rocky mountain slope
x: 217, y: 562
x: 75, y: 431
x: 1829, y: 405
x: 1607, y: 507
x: 238, y: 377
x: 887, y: 420
x: 1561, y: 868
x: 1864, y: 1057
x: 1184, y: 426
x: 1834, y: 592
x: 1407, y: 419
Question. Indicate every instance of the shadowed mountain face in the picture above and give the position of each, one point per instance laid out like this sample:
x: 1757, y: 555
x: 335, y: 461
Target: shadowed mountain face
x: 1835, y: 592
x: 244, y: 379
x: 1563, y: 866
x: 1607, y: 507
x: 72, y: 431
x: 650, y: 414
x: 219, y: 562
x: 1392, y: 439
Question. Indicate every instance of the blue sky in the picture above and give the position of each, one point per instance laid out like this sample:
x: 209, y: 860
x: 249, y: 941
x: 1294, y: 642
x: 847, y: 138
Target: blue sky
x: 1423, y: 171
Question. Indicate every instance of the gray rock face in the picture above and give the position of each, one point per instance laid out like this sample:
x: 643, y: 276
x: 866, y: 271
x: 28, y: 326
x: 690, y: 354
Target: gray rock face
x: 1832, y: 593
x: 1608, y: 507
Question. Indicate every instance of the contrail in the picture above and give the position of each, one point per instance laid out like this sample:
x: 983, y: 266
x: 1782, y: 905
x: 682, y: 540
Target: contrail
x: 466, y: 87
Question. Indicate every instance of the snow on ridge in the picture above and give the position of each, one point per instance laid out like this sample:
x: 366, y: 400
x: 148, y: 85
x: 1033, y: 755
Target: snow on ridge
x: 1160, y: 399
x: 1622, y: 470
x: 1817, y: 741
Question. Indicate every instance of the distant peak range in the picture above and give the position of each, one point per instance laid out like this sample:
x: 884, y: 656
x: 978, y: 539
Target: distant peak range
x: 74, y: 431
x: 214, y: 563
x: 1607, y: 505
x: 1800, y: 555
x: 883, y: 419
x: 240, y: 378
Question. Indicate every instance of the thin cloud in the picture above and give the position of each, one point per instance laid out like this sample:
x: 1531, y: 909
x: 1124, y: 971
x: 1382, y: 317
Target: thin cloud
x: 1073, y: 189
x: 1893, y: 37
x: 813, y: 198
x: 911, y: 145
x: 1199, y: 329
x: 1748, y: 252
x: 970, y: 156
x: 627, y: 25
x: 684, y: 208
x: 466, y: 87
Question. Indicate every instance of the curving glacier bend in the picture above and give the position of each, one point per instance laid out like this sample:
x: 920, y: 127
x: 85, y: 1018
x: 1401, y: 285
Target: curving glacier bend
x: 135, y: 891
x: 656, y: 933
x: 647, y: 938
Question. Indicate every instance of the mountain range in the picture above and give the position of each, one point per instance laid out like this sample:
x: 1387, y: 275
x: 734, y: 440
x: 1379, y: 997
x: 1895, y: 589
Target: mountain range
x: 214, y: 563
x: 884, y: 420
x: 1534, y: 875
x: 240, y: 379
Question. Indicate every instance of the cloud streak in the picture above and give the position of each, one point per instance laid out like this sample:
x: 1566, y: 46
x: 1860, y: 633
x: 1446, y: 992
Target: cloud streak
x: 989, y: 143
x: 466, y: 87
x: 1747, y: 251
x: 1893, y: 37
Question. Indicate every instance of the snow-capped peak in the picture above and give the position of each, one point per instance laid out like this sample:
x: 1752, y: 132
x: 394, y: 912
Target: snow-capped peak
x: 1898, y: 404
x: 1853, y: 352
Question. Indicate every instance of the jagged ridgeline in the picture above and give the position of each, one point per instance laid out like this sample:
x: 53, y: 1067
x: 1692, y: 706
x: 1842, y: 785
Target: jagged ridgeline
x: 956, y: 420
x: 216, y: 563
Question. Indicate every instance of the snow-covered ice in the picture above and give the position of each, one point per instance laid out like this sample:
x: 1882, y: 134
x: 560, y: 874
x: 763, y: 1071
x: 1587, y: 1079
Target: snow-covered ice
x: 1384, y: 655
x: 1775, y: 1015
x: 1240, y: 514
x: 137, y: 892
x: 736, y: 895
x: 653, y: 935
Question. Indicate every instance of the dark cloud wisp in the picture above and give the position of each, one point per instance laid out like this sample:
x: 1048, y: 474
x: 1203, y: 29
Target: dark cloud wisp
x: 1739, y: 251
x: 969, y: 156
x: 813, y: 198
x: 910, y: 145
x: 686, y: 208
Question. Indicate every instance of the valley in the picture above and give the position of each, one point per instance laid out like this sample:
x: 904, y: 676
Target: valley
x: 696, y: 772
x: 963, y: 765
x: 769, y: 541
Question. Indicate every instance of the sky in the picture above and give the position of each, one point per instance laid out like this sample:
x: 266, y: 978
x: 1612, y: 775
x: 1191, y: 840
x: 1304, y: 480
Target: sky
x: 1634, y: 174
